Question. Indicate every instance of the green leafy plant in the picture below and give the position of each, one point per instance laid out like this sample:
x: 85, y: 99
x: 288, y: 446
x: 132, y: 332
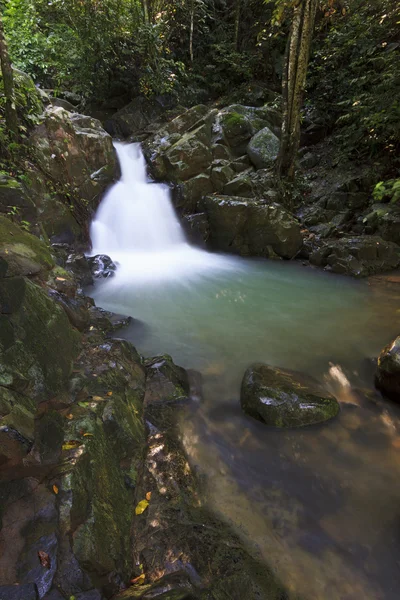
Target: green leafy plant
x: 387, y: 191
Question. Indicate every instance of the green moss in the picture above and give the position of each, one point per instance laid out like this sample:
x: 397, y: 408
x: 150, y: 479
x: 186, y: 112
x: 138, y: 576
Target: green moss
x: 233, y: 120
x: 45, y: 344
x: 101, y: 508
x: 24, y: 253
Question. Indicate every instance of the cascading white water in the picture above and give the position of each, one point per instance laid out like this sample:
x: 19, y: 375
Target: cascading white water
x: 136, y: 225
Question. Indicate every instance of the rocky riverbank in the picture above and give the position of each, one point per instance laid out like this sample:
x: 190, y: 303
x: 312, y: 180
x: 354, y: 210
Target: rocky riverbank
x: 98, y: 499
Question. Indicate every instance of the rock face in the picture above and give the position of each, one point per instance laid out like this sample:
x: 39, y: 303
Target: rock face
x: 22, y: 253
x: 251, y: 227
x: 263, y: 149
x: 75, y: 151
x: 72, y: 162
x: 387, y: 377
x: 284, y: 398
x: 357, y: 256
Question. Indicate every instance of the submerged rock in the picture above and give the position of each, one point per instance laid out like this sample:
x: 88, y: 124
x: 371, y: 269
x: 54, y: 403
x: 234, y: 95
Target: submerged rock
x: 284, y: 398
x: 387, y: 378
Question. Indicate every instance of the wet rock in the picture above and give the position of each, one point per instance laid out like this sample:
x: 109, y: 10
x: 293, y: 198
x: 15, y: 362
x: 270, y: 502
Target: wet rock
x: 37, y: 343
x: 192, y: 191
x: 357, y: 256
x: 309, y: 160
x: 106, y: 320
x: 135, y: 116
x: 75, y: 309
x: 221, y: 173
x: 101, y: 265
x: 166, y: 382
x: 190, y: 155
x: 197, y: 228
x: 74, y: 150
x: 78, y: 264
x: 263, y: 149
x: 387, y: 378
x: 251, y: 227
x: 284, y: 398
x: 23, y: 253
x: 107, y: 424
x: 26, y: 591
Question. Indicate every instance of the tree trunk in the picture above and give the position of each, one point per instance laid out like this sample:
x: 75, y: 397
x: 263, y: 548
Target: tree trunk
x: 237, y: 24
x: 293, y: 84
x: 191, y: 30
x: 145, y: 12
x: 8, y: 82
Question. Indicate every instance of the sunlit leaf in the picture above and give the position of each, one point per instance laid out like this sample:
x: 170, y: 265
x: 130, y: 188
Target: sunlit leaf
x: 141, y: 507
x: 55, y: 489
x: 71, y: 444
x: 139, y: 580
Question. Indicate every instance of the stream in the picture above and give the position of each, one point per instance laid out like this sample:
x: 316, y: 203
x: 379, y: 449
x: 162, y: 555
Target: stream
x: 320, y: 505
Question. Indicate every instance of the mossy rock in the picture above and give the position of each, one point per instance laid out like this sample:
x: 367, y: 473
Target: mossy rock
x: 27, y: 93
x: 263, y: 148
x: 252, y: 227
x: 283, y: 398
x: 24, y: 253
x: 37, y: 343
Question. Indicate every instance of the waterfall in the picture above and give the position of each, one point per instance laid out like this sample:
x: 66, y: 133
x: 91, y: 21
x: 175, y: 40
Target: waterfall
x: 136, y: 225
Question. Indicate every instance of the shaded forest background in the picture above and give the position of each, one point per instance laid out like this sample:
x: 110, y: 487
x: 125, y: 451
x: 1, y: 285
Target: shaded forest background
x: 110, y: 51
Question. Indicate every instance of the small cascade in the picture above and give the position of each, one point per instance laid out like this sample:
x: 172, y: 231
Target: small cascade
x: 137, y: 226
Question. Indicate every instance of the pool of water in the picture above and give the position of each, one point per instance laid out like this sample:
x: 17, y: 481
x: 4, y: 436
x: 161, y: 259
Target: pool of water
x: 321, y: 505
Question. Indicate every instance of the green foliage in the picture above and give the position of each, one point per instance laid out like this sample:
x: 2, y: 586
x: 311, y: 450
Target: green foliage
x: 354, y: 81
x: 387, y: 191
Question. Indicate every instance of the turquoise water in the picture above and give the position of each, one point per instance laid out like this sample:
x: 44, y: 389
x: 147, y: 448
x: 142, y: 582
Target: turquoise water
x: 320, y: 505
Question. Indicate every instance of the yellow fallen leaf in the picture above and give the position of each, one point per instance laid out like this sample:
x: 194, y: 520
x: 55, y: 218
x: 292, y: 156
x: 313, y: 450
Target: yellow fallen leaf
x: 141, y: 507
x: 71, y: 444
x: 109, y: 393
x: 139, y: 580
x: 88, y: 435
x: 55, y: 489
x: 60, y: 279
x: 70, y: 416
x: 97, y: 398
x: 148, y: 496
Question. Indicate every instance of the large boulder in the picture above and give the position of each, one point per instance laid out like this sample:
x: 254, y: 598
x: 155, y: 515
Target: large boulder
x: 357, y: 256
x: 387, y: 378
x: 235, y: 125
x: 37, y: 343
x: 22, y: 253
x: 284, y: 398
x: 263, y: 148
x: 75, y: 153
x: 135, y: 116
x: 252, y: 227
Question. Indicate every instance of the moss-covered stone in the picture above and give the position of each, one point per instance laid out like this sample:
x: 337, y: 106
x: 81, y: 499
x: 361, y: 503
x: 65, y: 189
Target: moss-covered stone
x: 284, y: 398
x: 39, y: 357
x: 357, y: 256
x: 76, y: 152
x: 252, y: 227
x: 24, y: 253
x: 263, y: 148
